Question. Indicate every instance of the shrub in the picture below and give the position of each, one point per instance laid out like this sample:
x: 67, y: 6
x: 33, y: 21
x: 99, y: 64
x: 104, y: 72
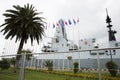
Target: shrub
x: 49, y: 64
x: 28, y: 54
x: 112, y: 67
x: 76, y: 69
x: 12, y: 61
x: 4, y: 64
x: 69, y: 58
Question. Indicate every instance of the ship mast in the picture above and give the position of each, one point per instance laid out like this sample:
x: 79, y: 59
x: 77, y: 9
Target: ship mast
x: 110, y: 31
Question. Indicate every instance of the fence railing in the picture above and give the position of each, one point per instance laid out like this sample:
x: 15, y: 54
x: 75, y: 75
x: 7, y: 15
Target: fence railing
x: 60, y: 65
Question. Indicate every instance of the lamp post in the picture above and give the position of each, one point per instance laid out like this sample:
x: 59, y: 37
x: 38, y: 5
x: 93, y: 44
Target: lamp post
x: 111, y: 52
x: 98, y: 62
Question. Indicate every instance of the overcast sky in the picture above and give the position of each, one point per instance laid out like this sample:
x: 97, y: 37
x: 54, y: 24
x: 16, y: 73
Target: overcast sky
x: 91, y: 14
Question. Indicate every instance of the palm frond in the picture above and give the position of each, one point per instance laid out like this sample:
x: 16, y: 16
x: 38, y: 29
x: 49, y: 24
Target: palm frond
x: 23, y: 23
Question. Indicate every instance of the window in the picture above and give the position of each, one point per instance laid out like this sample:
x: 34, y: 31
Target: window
x: 101, y: 53
x: 93, y: 53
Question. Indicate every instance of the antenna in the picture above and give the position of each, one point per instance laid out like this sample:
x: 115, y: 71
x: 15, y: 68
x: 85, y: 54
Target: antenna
x: 111, y: 32
x: 108, y: 20
x: 106, y: 11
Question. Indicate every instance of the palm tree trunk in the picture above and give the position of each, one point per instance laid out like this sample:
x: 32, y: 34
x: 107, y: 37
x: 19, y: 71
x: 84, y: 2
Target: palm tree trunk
x: 18, y: 56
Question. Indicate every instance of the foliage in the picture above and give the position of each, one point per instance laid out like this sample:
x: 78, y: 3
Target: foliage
x: 49, y: 64
x: 12, y: 61
x: 76, y: 65
x: 25, y: 51
x: 69, y: 57
x: 53, y: 75
x: 28, y: 54
x: 79, y: 76
x: 4, y: 64
x: 23, y: 23
x: 112, y: 67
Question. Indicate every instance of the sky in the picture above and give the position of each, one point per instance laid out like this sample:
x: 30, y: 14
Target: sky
x: 91, y: 13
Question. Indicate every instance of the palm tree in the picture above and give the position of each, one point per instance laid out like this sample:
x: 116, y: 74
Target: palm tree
x: 69, y: 59
x: 23, y: 23
x: 49, y: 64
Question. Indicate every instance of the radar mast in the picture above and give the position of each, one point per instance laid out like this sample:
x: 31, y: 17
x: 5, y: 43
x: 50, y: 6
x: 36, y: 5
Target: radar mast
x: 110, y: 31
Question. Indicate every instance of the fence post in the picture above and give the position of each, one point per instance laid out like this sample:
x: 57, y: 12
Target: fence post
x: 79, y: 61
x: 22, y: 67
x: 98, y: 63
x: 63, y: 62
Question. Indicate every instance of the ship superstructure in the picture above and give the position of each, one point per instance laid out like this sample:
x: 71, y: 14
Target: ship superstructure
x: 60, y: 43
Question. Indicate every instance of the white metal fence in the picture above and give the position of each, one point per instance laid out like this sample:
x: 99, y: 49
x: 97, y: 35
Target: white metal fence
x: 90, y: 61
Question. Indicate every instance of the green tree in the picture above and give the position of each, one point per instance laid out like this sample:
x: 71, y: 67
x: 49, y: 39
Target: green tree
x: 112, y: 67
x: 4, y: 64
x: 23, y: 23
x: 69, y: 59
x: 76, y: 65
x: 28, y: 54
x: 49, y: 64
x: 12, y: 61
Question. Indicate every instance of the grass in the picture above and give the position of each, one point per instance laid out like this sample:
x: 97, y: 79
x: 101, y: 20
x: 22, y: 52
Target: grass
x: 9, y: 75
x: 33, y: 75
x: 38, y: 75
x: 44, y: 75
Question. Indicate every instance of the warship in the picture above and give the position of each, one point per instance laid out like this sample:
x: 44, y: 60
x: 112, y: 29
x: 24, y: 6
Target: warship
x: 63, y: 47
